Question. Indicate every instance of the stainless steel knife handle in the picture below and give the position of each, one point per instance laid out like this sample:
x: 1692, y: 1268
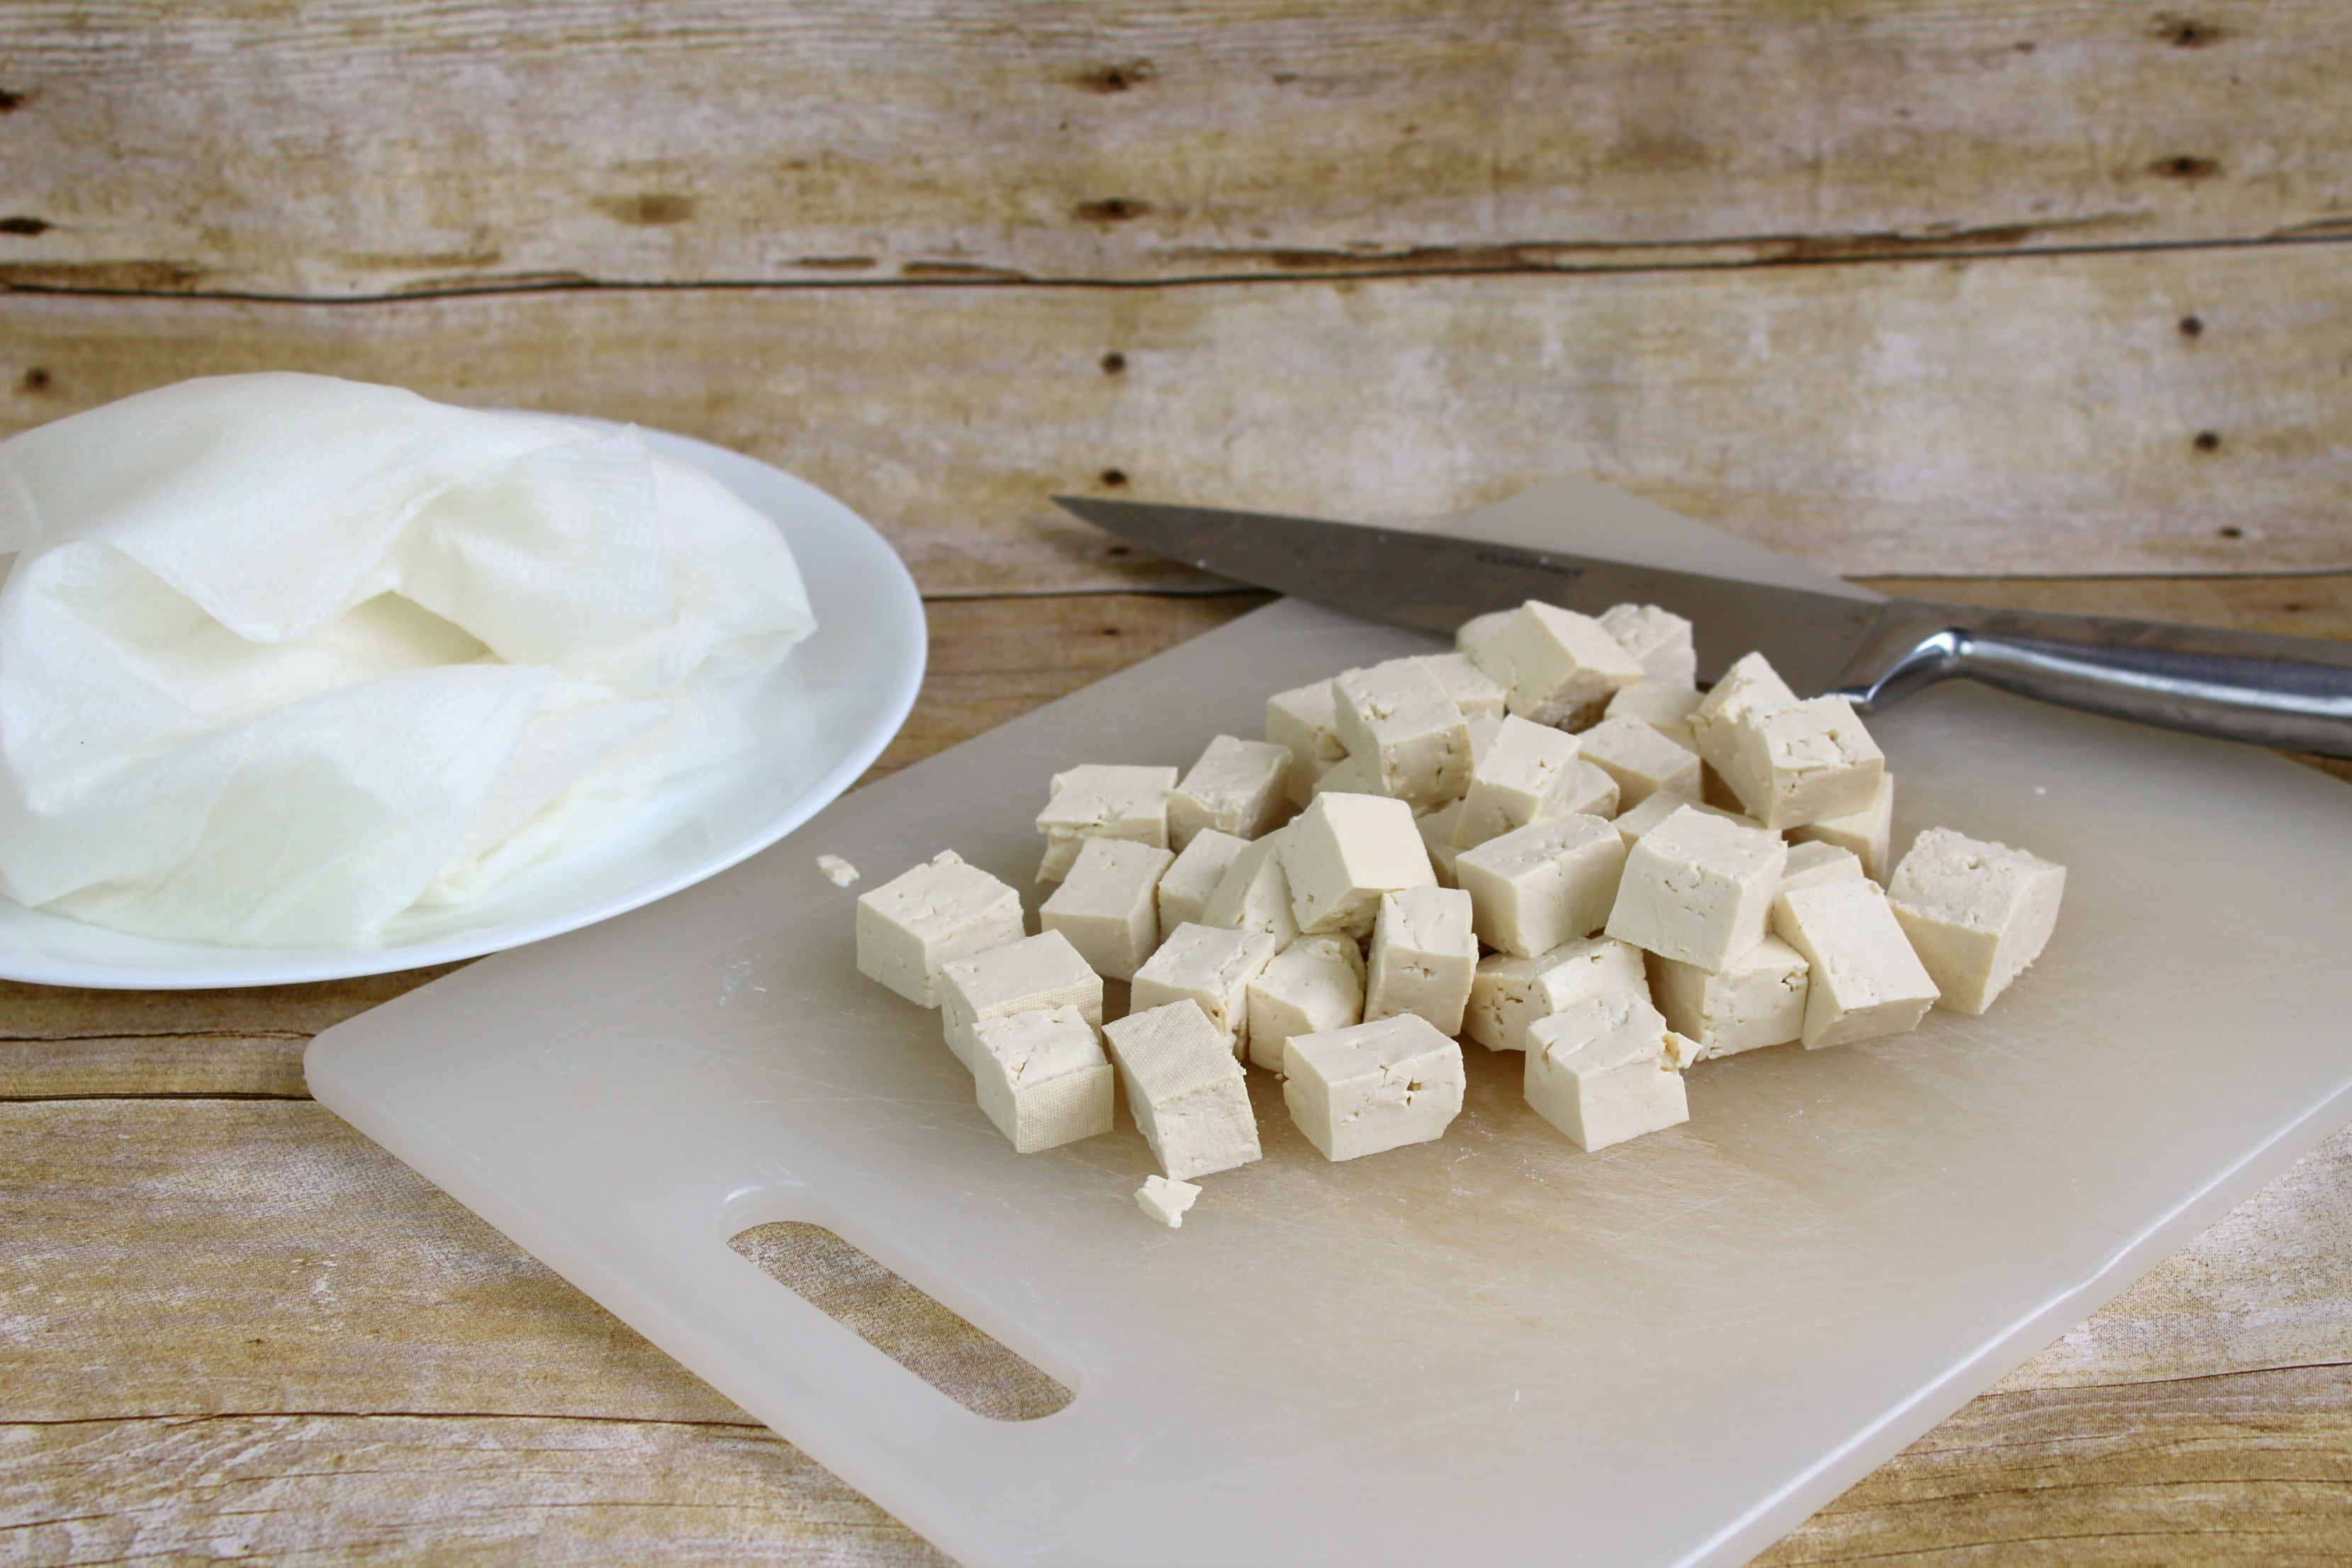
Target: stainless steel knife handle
x: 2291, y: 693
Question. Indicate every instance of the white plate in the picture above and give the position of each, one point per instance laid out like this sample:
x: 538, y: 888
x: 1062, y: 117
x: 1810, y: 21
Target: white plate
x: 822, y: 718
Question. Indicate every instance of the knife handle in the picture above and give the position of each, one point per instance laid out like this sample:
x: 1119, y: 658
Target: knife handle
x: 2295, y: 693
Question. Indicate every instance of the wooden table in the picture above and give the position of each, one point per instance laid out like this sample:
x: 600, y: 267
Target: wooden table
x: 2013, y: 301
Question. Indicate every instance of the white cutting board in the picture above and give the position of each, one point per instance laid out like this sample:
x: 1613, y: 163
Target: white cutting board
x: 1493, y: 1349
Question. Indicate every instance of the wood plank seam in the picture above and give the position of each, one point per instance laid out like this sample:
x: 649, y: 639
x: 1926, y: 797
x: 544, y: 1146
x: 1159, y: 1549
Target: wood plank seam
x: 22, y: 279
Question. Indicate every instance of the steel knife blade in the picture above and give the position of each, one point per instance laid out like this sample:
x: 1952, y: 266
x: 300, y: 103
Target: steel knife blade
x: 2293, y: 692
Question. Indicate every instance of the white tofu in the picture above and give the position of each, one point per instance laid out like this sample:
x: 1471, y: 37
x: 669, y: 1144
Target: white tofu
x: 1342, y: 853
x: 1812, y: 864
x: 1977, y: 912
x: 1437, y: 830
x: 1869, y: 832
x: 1527, y: 775
x: 1479, y: 630
x: 1034, y: 975
x: 1209, y: 966
x: 914, y: 925
x: 1750, y: 681
x: 1795, y: 763
x: 1098, y: 801
x: 837, y: 870
x: 1254, y: 894
x: 1237, y: 787
x: 1756, y: 1000
x: 1641, y: 761
x: 1349, y: 776
x: 1591, y: 793
x: 1301, y: 721
x: 1556, y: 667
x: 1466, y: 684
x: 1866, y: 980
x: 1315, y: 984
x: 1424, y: 955
x: 1397, y: 721
x: 1658, y: 807
x: 1544, y: 884
x: 1663, y: 707
x: 1659, y: 638
x: 1483, y: 733
x: 1373, y: 1087
x: 1166, y: 1200
x: 1188, y: 885
x: 1699, y: 889
x: 1108, y: 905
x: 1188, y: 1093
x: 1508, y: 994
x: 1604, y: 1069
x: 1042, y: 1077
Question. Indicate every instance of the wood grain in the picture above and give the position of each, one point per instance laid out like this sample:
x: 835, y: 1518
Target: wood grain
x: 2036, y: 417
x: 382, y: 146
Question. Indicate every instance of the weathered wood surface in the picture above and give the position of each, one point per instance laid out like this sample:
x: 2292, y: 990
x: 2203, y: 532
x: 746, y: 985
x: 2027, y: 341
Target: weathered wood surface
x: 2035, y: 415
x: 377, y: 147
x: 239, y: 1326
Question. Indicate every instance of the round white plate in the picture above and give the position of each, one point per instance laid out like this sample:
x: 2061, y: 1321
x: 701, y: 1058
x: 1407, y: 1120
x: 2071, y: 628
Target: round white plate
x: 822, y: 718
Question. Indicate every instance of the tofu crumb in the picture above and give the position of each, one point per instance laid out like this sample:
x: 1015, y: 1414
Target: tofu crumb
x: 837, y: 871
x: 1166, y: 1200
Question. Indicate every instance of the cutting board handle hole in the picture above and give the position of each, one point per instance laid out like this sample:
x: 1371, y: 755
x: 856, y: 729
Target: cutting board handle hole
x: 909, y: 1326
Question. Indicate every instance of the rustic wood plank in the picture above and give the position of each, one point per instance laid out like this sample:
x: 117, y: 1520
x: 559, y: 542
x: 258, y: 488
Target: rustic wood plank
x: 2254, y: 1469
x: 464, y: 1489
x: 242, y: 146
x: 2043, y: 415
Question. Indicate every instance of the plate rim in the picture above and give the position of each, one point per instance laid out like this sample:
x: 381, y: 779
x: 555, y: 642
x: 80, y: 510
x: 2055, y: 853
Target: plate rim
x: 285, y: 966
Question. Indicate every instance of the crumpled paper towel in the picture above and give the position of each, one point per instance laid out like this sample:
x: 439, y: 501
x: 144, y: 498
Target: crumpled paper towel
x: 282, y: 655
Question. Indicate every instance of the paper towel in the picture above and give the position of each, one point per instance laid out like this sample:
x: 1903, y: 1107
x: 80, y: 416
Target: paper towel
x: 282, y: 655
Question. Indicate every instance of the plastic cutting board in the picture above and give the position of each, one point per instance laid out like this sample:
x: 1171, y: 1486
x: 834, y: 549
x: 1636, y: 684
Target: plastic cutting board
x: 1495, y: 1348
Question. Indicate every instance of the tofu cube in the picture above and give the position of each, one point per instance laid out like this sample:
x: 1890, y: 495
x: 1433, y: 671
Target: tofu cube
x: 1869, y: 832
x: 1750, y: 681
x: 1658, y: 807
x: 1508, y: 994
x: 1699, y: 889
x: 1604, y: 1069
x: 1544, y: 884
x: 1796, y: 763
x: 1373, y: 1087
x: 1349, y: 776
x: 1592, y: 793
x: 1977, y: 912
x: 1482, y: 732
x: 1315, y: 984
x: 1865, y: 979
x: 1034, y: 975
x: 1756, y: 1000
x: 1303, y: 721
x: 1663, y: 707
x: 1641, y: 761
x: 1107, y: 906
x: 1479, y: 630
x: 1254, y: 894
x: 1400, y: 724
x: 913, y: 926
x: 1096, y: 801
x: 1437, y: 830
x: 1209, y: 966
x: 1166, y: 1200
x: 1466, y: 684
x: 1556, y: 667
x: 1527, y: 775
x: 1188, y: 1093
x: 1042, y: 1077
x: 1659, y: 638
x: 1422, y: 958
x: 1189, y: 884
x: 1342, y: 853
x: 1237, y: 787
x: 1812, y: 864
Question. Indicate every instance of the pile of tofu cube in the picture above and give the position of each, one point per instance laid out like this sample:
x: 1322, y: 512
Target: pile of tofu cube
x: 1549, y: 841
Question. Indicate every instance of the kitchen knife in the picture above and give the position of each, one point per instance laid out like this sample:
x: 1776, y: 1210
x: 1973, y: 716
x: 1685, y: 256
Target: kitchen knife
x: 2291, y: 693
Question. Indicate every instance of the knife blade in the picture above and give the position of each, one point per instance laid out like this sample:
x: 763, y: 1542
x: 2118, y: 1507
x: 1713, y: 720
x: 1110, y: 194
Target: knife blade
x: 2292, y: 692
